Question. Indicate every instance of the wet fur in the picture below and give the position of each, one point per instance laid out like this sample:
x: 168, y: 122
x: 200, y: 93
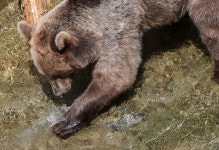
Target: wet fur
x: 107, y: 33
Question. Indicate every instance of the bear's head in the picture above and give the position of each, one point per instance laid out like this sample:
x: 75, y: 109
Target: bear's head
x: 56, y: 54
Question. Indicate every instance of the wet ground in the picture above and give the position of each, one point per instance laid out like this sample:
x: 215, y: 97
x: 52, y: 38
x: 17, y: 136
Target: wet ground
x: 174, y: 104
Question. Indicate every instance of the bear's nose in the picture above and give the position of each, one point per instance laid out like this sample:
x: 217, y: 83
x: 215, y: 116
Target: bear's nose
x: 60, y: 91
x: 57, y: 92
x: 60, y: 86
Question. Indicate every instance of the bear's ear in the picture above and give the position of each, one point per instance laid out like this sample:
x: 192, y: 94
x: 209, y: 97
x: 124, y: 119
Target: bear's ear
x: 64, y: 39
x: 24, y: 29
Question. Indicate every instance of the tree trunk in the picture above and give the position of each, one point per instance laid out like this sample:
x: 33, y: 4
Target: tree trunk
x: 34, y: 9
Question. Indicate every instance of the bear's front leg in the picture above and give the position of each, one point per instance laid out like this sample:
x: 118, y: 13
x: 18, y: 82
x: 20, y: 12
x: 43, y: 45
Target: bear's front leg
x: 102, y: 89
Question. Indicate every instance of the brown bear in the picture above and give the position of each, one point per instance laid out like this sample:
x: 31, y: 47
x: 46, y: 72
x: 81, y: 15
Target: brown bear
x: 107, y: 34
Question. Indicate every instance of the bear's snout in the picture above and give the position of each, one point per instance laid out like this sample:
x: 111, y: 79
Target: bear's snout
x: 61, y: 86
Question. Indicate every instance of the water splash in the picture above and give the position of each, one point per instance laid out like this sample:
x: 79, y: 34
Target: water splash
x: 42, y: 125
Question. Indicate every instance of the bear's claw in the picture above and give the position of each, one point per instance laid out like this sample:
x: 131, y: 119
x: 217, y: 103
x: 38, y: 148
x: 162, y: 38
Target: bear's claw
x: 65, y: 129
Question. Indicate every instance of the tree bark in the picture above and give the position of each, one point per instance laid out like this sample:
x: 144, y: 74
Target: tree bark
x: 34, y: 9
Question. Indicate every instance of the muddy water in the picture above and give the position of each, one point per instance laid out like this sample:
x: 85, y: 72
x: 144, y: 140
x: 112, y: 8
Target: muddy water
x: 173, y: 90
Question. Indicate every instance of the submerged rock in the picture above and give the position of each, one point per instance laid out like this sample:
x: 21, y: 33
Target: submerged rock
x: 126, y: 121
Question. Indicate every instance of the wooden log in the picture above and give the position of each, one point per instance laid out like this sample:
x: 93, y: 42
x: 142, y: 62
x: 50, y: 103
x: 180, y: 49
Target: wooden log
x: 34, y: 9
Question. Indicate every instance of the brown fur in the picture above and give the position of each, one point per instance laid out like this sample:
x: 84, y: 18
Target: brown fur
x: 108, y: 33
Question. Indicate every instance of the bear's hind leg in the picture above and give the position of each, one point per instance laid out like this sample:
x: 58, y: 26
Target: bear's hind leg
x: 211, y: 38
x: 205, y: 15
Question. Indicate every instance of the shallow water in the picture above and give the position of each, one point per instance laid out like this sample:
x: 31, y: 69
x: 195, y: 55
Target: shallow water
x: 173, y: 89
